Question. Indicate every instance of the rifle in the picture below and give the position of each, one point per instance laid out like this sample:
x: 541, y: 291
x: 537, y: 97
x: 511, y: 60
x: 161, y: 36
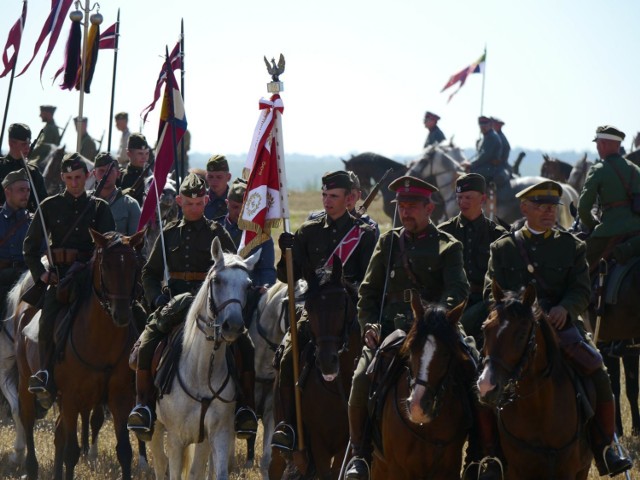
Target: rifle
x: 65, y: 128
x: 140, y: 179
x: 602, y: 273
x: 100, y: 141
x: 362, y: 209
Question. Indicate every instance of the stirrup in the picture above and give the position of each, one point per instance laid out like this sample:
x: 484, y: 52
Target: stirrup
x: 136, y: 414
x: 249, y: 426
x: 484, y: 461
x: 38, y: 384
x: 287, y: 430
x: 351, y: 464
x: 623, y: 454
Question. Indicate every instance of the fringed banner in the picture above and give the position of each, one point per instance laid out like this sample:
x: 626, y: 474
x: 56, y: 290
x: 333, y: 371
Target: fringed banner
x: 93, y: 45
x: 72, y: 57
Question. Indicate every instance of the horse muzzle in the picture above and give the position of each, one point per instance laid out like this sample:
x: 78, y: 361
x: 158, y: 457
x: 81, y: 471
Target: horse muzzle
x: 328, y: 363
x: 489, y: 392
x: 418, y: 406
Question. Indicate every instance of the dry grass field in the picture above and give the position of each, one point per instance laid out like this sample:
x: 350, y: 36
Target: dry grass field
x: 107, y: 468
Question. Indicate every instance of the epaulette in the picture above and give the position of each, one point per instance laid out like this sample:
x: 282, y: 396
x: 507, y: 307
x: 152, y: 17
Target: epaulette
x: 316, y: 215
x: 172, y: 223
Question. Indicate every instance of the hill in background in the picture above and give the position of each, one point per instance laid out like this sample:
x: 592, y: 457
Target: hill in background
x: 304, y: 172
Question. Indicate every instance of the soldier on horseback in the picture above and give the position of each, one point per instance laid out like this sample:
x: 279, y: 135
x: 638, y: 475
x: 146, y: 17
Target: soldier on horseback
x: 554, y: 262
x: 217, y: 178
x: 417, y: 256
x: 435, y: 134
x: 489, y: 162
x: 187, y: 243
x: 138, y: 153
x: 48, y: 138
x: 313, y: 245
x: 68, y: 216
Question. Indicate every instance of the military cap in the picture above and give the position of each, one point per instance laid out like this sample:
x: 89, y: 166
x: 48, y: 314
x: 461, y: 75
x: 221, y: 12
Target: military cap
x: 431, y: 116
x: 103, y: 159
x: 409, y: 189
x: 19, y: 131
x: 482, y: 120
x: 608, y: 132
x: 137, y: 141
x: 48, y: 108
x: 355, y: 181
x: 471, y: 182
x: 193, y: 186
x: 122, y: 116
x: 543, y: 192
x: 217, y: 163
x: 237, y: 189
x: 497, y: 120
x: 15, y: 176
x: 81, y: 119
x: 337, y: 179
x: 71, y: 162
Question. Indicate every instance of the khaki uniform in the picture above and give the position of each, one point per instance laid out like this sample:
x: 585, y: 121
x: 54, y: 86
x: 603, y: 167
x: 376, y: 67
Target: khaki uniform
x: 9, y: 164
x: 48, y: 139
x: 88, y: 147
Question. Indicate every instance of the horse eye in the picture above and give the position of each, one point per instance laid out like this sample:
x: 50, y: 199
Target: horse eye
x: 216, y: 280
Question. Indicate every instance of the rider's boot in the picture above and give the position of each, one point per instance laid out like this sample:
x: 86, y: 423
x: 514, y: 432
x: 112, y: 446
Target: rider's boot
x: 284, y: 435
x: 246, y: 422
x: 482, y: 461
x: 41, y: 383
x: 358, y: 468
x: 142, y: 416
x: 608, y: 460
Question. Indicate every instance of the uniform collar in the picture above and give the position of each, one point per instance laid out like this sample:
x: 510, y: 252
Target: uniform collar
x: 464, y: 221
x: 132, y: 169
x: 9, y: 159
x: 7, y: 211
x: 339, y: 222
x: 412, y: 237
x: 68, y: 196
x: 213, y: 197
x: 197, y: 224
x: 529, y: 234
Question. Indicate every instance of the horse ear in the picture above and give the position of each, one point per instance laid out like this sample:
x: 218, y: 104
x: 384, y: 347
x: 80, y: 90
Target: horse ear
x: 217, y: 254
x: 343, y: 161
x: 529, y: 296
x: 416, y: 305
x: 336, y: 270
x: 496, y: 290
x: 99, y: 239
x: 251, y: 261
x: 456, y: 312
x: 136, y: 239
x: 545, y: 157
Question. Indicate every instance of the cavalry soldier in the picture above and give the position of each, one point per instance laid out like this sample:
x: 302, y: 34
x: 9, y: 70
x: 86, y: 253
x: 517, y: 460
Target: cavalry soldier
x: 476, y: 232
x: 415, y: 256
x: 14, y: 222
x: 614, y: 182
x: 88, y: 147
x: 435, y: 134
x: 497, y: 125
x: 19, y: 138
x: 554, y: 262
x: 50, y: 135
x: 187, y: 246
x: 125, y: 209
x: 138, y: 153
x: 489, y: 158
x: 217, y: 178
x: 68, y: 217
x: 122, y: 124
x: 313, y: 245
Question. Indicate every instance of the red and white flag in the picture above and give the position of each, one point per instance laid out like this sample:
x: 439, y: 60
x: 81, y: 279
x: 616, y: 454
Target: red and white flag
x: 13, y: 40
x: 175, y: 61
x: 108, y: 37
x: 263, y: 207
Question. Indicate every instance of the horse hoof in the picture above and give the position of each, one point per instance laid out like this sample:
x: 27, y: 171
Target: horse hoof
x: 248, y: 464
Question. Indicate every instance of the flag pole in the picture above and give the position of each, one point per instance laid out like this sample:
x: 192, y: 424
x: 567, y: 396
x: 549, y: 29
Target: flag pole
x: 182, y: 152
x: 484, y: 73
x: 174, y: 143
x: 6, y: 108
x: 113, y: 81
x: 82, y: 72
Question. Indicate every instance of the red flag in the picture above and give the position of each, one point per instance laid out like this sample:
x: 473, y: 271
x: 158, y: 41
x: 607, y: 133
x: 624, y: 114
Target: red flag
x: 175, y: 60
x: 172, y: 118
x: 108, y: 38
x: 461, y: 76
x: 13, y: 40
x: 262, y: 208
x: 53, y: 24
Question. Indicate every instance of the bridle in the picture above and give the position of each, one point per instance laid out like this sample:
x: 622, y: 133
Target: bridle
x: 433, y: 395
x: 432, y: 177
x: 105, y: 298
x: 343, y: 339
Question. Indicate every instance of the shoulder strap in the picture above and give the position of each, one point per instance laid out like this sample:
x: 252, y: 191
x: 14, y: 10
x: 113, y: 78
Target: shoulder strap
x: 405, y: 260
x: 626, y: 186
x: 519, y: 239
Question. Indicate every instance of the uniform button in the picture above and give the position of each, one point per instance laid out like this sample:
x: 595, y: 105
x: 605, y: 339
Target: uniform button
x: 533, y: 249
x: 186, y: 256
x: 533, y: 280
x: 76, y: 229
x: 188, y: 238
x: 187, y: 247
x: 535, y: 264
x: 186, y: 265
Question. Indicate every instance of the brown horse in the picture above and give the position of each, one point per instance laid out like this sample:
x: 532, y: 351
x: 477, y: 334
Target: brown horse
x: 335, y: 344
x: 93, y: 369
x: 555, y: 169
x: 525, y: 380
x: 426, y: 414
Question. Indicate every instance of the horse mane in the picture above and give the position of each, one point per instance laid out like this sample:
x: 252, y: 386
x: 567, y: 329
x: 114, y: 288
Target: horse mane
x: 379, y: 160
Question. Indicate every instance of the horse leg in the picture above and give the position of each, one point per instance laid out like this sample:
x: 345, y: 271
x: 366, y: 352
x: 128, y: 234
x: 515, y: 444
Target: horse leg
x: 632, y: 386
x: 27, y: 408
x: 175, y: 451
x: 267, y: 431
x: 84, y: 433
x: 96, y: 421
x: 220, y: 441
x: 143, y: 462
x: 613, y: 367
x: 200, y: 459
x: 119, y: 412
x: 10, y: 391
x: 59, y: 443
x: 160, y: 459
x: 251, y: 451
x: 69, y: 434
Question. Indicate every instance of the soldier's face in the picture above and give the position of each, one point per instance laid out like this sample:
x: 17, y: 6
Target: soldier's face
x: 17, y: 194
x: 218, y: 181
x: 113, y: 175
x: 18, y: 148
x: 429, y: 123
x: 334, y: 201
x: 121, y: 124
x: 234, y: 210
x: 138, y: 156
x: 540, y: 216
x: 74, y: 181
x: 607, y: 147
x: 192, y: 208
x: 414, y: 215
x: 470, y: 204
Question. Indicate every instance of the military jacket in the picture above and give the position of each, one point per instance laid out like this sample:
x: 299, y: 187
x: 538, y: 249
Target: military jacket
x: 125, y: 211
x: 11, y: 242
x: 435, y: 136
x: 49, y: 136
x: 60, y: 213
x: 435, y: 259
x: 506, y: 148
x: 321, y: 214
x: 88, y: 147
x: 232, y: 229
x: 317, y: 239
x: 217, y: 205
x: 188, y: 249
x: 128, y: 176
x: 604, y: 184
x: 489, y: 150
x: 556, y: 256
x: 475, y: 236
x: 9, y: 164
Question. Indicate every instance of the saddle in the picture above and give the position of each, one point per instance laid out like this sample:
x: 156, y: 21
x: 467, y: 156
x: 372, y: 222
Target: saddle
x: 617, y: 273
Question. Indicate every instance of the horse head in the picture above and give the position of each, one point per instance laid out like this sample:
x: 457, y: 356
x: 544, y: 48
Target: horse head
x: 331, y: 310
x: 433, y: 350
x: 114, y: 280
x: 510, y: 343
x: 226, y: 285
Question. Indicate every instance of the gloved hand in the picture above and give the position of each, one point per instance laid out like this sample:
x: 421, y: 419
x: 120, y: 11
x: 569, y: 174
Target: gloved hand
x: 285, y: 240
x: 371, y: 337
x: 161, y: 300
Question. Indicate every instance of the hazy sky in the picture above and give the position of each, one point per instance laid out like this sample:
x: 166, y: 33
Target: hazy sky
x: 359, y: 74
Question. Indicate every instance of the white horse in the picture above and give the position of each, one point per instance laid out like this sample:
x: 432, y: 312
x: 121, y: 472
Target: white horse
x: 201, y: 402
x: 266, y: 332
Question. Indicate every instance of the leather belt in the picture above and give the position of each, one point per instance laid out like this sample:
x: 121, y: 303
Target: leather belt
x: 12, y: 264
x: 621, y: 203
x: 403, y: 296
x: 66, y: 256
x: 188, y: 276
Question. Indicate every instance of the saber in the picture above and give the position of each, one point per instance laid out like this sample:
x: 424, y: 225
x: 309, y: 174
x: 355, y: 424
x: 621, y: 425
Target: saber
x: 602, y: 273
x: 44, y: 226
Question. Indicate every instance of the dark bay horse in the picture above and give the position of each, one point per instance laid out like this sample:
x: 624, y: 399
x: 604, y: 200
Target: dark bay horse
x: 94, y: 368
x: 426, y: 415
x: 555, y: 169
x: 542, y: 432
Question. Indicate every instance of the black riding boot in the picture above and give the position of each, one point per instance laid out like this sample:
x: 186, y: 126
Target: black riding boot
x: 246, y: 422
x: 284, y: 435
x: 358, y: 468
x: 143, y: 415
x: 605, y: 453
x: 41, y: 383
x: 482, y: 461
